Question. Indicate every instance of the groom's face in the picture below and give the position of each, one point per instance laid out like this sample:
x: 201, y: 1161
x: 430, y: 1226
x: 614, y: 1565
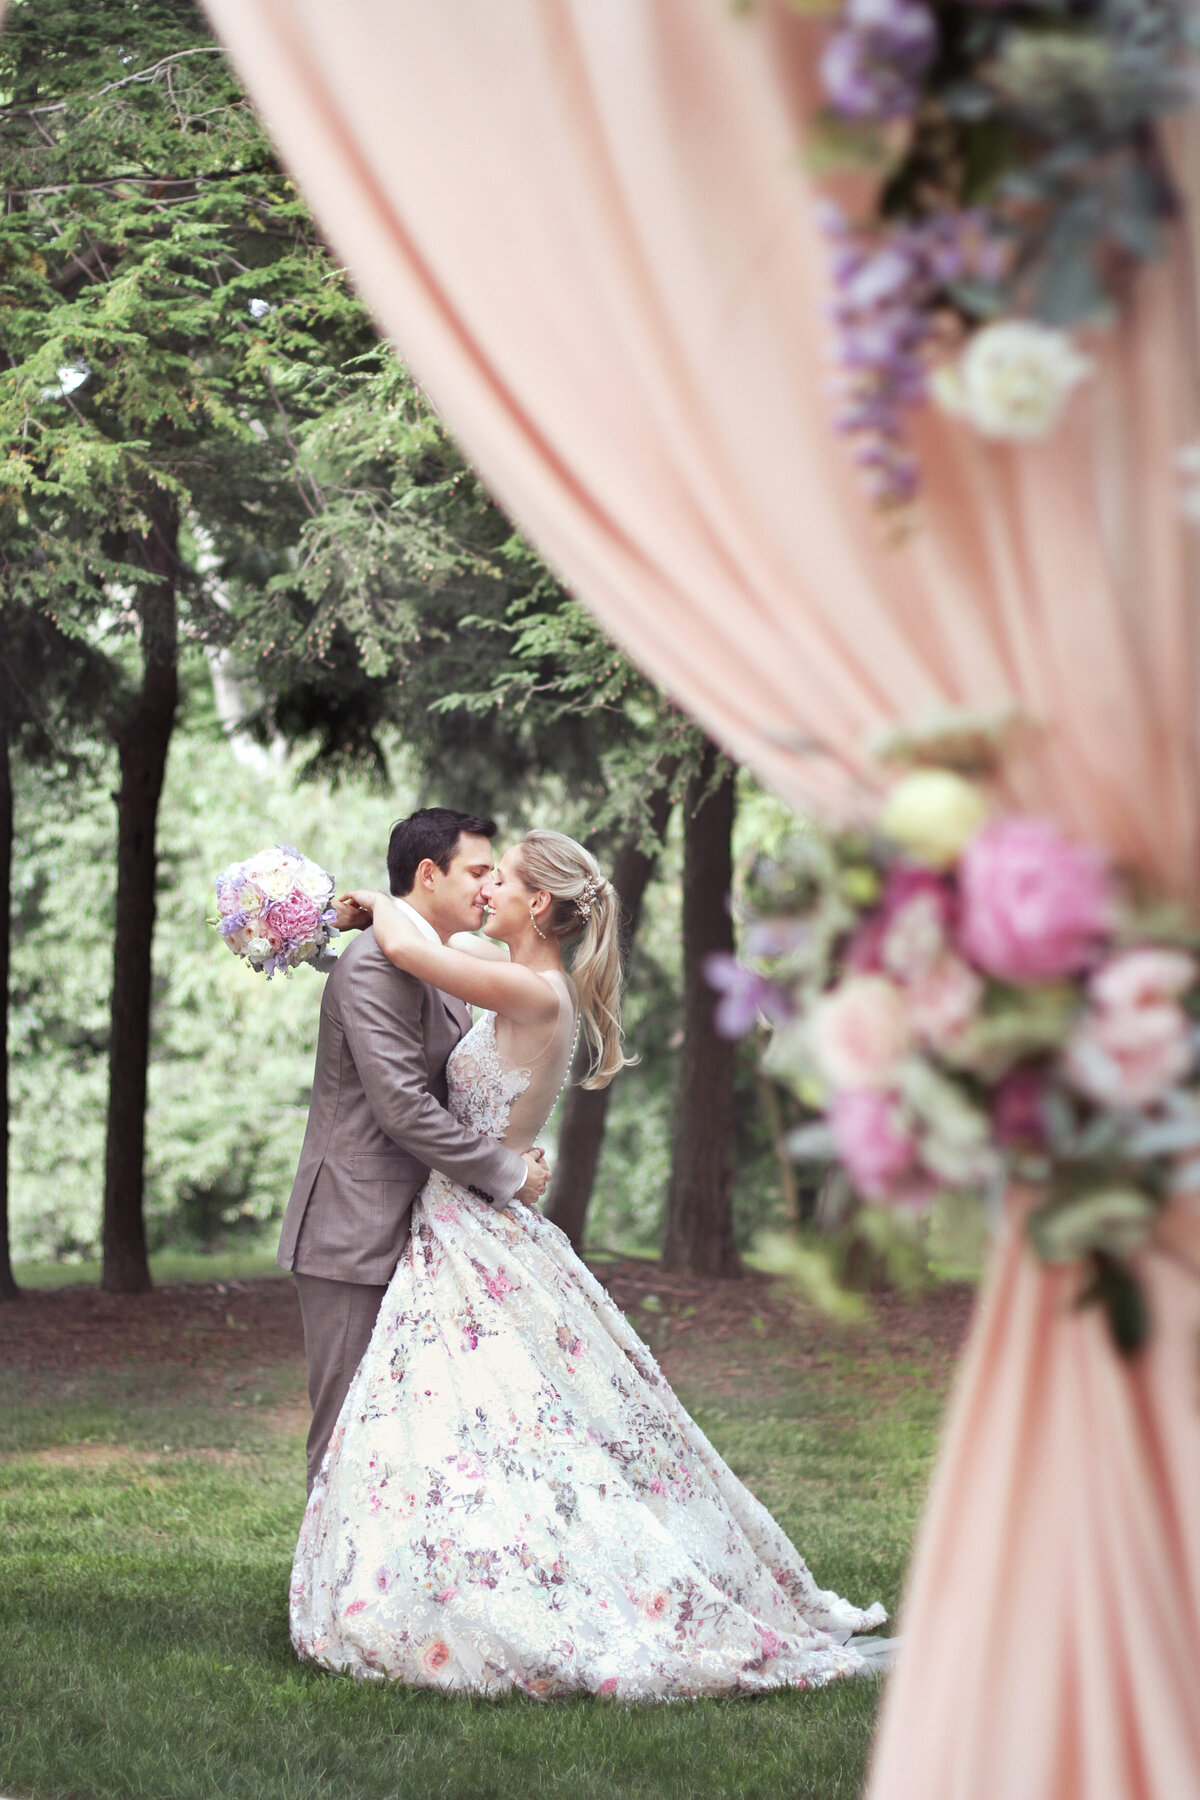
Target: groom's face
x: 459, y: 892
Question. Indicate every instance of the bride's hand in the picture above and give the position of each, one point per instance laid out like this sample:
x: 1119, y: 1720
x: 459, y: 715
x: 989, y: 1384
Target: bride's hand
x: 354, y: 911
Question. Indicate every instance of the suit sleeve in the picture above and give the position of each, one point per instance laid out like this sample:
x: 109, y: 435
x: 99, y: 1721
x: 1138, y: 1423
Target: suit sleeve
x: 381, y: 1017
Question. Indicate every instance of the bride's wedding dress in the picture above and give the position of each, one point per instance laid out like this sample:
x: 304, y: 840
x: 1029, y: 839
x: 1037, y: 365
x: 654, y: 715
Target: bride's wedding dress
x: 514, y: 1498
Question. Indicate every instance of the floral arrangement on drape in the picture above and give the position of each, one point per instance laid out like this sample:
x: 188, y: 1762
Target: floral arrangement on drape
x: 970, y: 1001
x: 1020, y: 182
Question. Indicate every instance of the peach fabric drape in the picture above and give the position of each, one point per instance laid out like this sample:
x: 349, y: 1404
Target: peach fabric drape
x: 588, y: 226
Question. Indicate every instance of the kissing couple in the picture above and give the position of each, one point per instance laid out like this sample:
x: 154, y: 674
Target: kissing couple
x: 504, y: 1491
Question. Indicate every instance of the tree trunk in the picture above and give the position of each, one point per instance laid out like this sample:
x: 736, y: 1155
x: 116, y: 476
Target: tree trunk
x: 143, y: 739
x: 699, y: 1225
x: 586, y: 1110
x: 8, y: 1287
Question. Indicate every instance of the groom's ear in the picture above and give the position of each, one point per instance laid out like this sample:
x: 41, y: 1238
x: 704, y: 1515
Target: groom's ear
x: 425, y: 873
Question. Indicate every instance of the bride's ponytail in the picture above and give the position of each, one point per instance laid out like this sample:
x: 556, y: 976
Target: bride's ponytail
x: 586, y: 912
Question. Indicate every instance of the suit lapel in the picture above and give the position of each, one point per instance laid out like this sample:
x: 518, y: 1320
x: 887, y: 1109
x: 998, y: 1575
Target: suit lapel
x: 459, y: 1012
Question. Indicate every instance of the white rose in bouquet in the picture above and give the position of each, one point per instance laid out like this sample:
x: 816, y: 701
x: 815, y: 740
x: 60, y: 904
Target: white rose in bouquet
x: 1012, y: 380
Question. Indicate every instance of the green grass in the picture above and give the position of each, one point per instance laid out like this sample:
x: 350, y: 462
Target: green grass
x: 148, y: 1516
x: 166, y: 1266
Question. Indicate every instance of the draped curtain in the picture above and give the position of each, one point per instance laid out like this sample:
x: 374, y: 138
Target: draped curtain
x: 589, y: 227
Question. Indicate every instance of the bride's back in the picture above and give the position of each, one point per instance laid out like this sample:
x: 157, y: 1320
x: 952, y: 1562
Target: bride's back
x: 545, y: 1052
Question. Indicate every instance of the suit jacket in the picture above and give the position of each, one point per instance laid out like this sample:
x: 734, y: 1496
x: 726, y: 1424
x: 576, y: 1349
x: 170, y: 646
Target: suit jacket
x: 378, y: 1123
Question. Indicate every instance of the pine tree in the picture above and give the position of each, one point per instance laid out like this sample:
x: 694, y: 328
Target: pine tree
x: 170, y: 315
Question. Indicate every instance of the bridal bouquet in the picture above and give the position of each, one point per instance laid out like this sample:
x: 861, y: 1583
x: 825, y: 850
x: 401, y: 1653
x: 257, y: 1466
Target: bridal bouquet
x: 275, y: 912
x: 968, y: 1002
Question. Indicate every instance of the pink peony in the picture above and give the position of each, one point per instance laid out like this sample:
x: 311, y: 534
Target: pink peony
x: 294, y: 917
x: 872, y: 1141
x: 943, y: 999
x: 1034, y: 907
x: 1129, y: 1056
x: 860, y: 1031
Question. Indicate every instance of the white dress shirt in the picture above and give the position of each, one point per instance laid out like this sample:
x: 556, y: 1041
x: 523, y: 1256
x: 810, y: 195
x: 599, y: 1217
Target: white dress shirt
x: 422, y: 924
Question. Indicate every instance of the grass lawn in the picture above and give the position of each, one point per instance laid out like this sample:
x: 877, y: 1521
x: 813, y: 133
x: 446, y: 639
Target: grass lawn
x: 150, y: 1492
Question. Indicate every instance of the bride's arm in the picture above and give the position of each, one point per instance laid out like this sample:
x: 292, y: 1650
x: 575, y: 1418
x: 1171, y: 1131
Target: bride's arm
x: 500, y: 986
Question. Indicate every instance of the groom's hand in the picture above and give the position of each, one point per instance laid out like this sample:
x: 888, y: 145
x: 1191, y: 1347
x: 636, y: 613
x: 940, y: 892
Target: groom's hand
x: 537, y: 1177
x: 350, y: 915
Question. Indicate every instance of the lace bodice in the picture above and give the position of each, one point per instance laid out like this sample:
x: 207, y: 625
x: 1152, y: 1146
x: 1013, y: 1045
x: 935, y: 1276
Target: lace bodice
x: 500, y: 1098
x: 482, y: 1090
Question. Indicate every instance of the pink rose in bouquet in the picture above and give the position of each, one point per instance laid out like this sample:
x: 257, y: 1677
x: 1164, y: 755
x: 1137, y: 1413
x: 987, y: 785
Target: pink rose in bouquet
x: 239, y: 938
x: 1134, y: 978
x: 1129, y: 1059
x: 1034, y: 907
x: 1135, y: 1040
x: 943, y: 999
x: 872, y: 1141
x: 860, y: 1031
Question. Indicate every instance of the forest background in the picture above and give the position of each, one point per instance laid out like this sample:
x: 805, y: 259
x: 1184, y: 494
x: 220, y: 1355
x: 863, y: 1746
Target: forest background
x: 250, y: 591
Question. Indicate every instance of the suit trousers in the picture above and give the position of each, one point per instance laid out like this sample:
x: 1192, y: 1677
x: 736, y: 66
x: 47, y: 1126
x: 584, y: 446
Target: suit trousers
x: 339, y: 1317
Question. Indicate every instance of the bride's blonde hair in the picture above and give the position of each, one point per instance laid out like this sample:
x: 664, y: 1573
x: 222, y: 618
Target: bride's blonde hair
x: 585, y: 912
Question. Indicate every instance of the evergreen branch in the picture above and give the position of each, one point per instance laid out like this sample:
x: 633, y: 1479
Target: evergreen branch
x: 16, y: 110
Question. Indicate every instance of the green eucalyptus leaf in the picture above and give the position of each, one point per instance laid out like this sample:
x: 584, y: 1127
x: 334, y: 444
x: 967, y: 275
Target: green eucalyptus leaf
x: 1114, y: 1217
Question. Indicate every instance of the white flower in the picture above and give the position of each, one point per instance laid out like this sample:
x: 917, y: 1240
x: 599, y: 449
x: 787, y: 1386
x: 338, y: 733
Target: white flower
x: 276, y: 884
x: 1012, y: 380
x: 314, y: 882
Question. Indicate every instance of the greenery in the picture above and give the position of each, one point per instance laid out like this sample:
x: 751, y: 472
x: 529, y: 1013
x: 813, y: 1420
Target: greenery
x: 231, y: 1054
x: 149, y: 1515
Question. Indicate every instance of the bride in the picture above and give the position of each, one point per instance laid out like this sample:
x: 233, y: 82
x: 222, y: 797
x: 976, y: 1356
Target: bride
x: 513, y: 1498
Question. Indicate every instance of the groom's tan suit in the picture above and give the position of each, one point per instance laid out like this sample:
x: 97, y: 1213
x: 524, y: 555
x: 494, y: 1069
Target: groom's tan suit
x: 377, y: 1124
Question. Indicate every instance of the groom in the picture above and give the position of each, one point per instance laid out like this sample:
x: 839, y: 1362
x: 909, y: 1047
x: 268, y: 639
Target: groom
x: 378, y: 1121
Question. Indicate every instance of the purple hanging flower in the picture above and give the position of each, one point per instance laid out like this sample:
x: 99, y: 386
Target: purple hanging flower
x: 872, y: 67
x: 887, y: 288
x: 745, y: 995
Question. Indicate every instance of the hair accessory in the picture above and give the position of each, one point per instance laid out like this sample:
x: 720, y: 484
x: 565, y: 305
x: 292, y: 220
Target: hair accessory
x: 591, y: 891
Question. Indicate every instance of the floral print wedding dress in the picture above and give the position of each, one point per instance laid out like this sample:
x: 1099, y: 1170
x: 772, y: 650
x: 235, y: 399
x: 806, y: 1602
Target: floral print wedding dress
x: 513, y: 1498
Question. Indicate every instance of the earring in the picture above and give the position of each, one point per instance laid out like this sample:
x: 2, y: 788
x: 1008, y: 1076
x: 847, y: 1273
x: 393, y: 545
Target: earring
x: 536, y: 926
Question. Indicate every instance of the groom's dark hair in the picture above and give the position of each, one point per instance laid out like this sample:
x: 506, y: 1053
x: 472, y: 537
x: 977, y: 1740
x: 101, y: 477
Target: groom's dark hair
x: 434, y: 833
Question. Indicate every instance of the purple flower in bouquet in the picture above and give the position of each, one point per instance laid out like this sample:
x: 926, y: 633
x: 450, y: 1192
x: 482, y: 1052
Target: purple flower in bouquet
x: 878, y: 1150
x: 871, y: 68
x: 1034, y: 907
x: 745, y: 995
